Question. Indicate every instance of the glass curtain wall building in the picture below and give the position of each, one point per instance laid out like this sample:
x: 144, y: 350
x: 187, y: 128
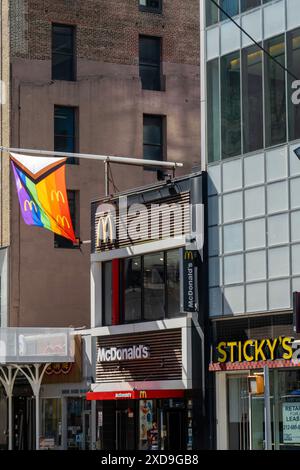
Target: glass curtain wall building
x: 252, y: 132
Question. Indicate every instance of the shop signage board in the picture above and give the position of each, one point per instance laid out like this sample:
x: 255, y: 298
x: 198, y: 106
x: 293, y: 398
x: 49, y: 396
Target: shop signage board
x: 291, y: 422
x: 131, y: 353
x: 255, y: 350
x: 189, y: 276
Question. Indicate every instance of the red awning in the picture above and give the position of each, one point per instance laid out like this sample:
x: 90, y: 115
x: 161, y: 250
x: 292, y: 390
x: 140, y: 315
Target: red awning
x: 135, y: 394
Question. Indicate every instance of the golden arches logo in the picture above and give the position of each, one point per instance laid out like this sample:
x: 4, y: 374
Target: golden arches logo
x: 104, y: 223
x: 143, y: 394
x: 58, y: 195
x: 62, y: 220
x: 188, y: 255
x: 30, y: 205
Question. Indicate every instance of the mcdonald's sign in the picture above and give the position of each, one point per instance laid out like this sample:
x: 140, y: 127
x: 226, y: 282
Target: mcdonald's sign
x: 62, y: 221
x: 105, y: 230
x: 57, y: 195
x: 189, y: 280
x: 143, y: 395
x: 30, y: 205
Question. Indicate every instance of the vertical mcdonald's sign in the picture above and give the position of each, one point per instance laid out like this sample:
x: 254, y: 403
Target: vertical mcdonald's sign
x: 189, y: 271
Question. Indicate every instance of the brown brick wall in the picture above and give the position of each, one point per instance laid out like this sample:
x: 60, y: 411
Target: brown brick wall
x: 107, y: 30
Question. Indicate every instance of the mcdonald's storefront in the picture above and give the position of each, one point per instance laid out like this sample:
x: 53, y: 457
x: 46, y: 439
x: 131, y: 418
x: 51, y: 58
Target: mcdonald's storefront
x: 145, y: 392
x: 147, y: 270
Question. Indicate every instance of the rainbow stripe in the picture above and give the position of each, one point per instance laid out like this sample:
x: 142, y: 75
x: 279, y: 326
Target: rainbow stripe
x: 44, y: 202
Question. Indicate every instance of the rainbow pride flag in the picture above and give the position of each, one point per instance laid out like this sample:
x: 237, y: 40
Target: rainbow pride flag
x: 41, y: 187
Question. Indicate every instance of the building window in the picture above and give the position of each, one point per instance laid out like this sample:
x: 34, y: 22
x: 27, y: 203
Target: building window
x: 65, y: 131
x: 63, y: 52
x: 252, y: 85
x: 231, y: 7
x: 154, y: 286
x: 293, y: 64
x: 213, y: 116
x: 107, y: 293
x: 231, y: 105
x: 150, y: 62
x: 151, y: 5
x: 62, y: 242
x: 149, y: 288
x: 153, y: 137
x: 132, y: 279
x: 275, y: 95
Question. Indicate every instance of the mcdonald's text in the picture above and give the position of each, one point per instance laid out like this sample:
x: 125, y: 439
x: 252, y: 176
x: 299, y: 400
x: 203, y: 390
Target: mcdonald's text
x: 123, y: 354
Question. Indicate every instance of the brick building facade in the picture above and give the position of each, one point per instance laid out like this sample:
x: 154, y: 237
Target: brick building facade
x: 49, y: 286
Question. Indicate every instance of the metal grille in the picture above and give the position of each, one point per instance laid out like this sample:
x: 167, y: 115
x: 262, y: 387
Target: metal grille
x: 168, y: 222
x: 164, y: 363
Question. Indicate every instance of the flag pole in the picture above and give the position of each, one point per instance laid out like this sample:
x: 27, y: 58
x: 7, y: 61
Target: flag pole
x: 104, y: 158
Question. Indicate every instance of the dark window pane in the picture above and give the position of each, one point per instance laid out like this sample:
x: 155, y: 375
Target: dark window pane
x: 173, y: 283
x: 293, y: 48
x: 149, y: 62
x: 154, y: 286
x: 153, y: 137
x: 231, y: 105
x: 213, y: 111
x: 252, y: 99
x: 212, y: 13
x: 275, y: 92
x: 63, y: 52
x: 154, y: 5
x: 107, y: 294
x: 62, y: 242
x: 249, y: 4
x: 132, y: 289
x: 64, y: 131
x: 231, y: 7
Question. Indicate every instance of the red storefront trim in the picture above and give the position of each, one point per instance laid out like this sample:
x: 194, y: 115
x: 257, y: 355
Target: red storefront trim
x: 219, y: 367
x: 115, y: 291
x: 135, y: 394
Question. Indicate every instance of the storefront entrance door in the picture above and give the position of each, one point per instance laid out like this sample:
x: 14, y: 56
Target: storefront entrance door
x: 175, y: 430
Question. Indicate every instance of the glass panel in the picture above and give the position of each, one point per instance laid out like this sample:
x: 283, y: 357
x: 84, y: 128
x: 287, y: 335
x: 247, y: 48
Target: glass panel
x: 173, y: 283
x: 275, y: 95
x: 231, y: 105
x: 232, y: 207
x: 152, y: 138
x: 249, y: 4
x: 289, y: 409
x: 154, y: 286
x: 151, y: 4
x: 252, y: 99
x: 255, y: 266
x: 63, y: 52
x: 233, y: 269
x: 238, y: 413
x: 133, y: 289
x: 278, y: 229
x: 255, y: 234
x: 64, y: 131
x: 74, y: 423
x: 293, y: 63
x: 212, y: 13
x: 277, y: 194
x: 52, y: 421
x: 107, y: 294
x: 279, y: 265
x: 213, y: 111
x: 230, y: 6
x: 233, y: 238
x: 149, y: 60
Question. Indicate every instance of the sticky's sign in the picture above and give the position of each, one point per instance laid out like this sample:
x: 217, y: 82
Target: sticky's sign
x: 255, y: 350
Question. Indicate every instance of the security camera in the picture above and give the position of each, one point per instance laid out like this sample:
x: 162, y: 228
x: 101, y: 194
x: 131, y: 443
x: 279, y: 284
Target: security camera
x: 297, y: 152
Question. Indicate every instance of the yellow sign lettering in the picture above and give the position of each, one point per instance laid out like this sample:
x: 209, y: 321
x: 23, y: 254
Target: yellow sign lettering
x: 104, y: 224
x: 188, y: 255
x: 247, y: 343
x: 259, y: 350
x: 221, y: 352
x: 287, y: 346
